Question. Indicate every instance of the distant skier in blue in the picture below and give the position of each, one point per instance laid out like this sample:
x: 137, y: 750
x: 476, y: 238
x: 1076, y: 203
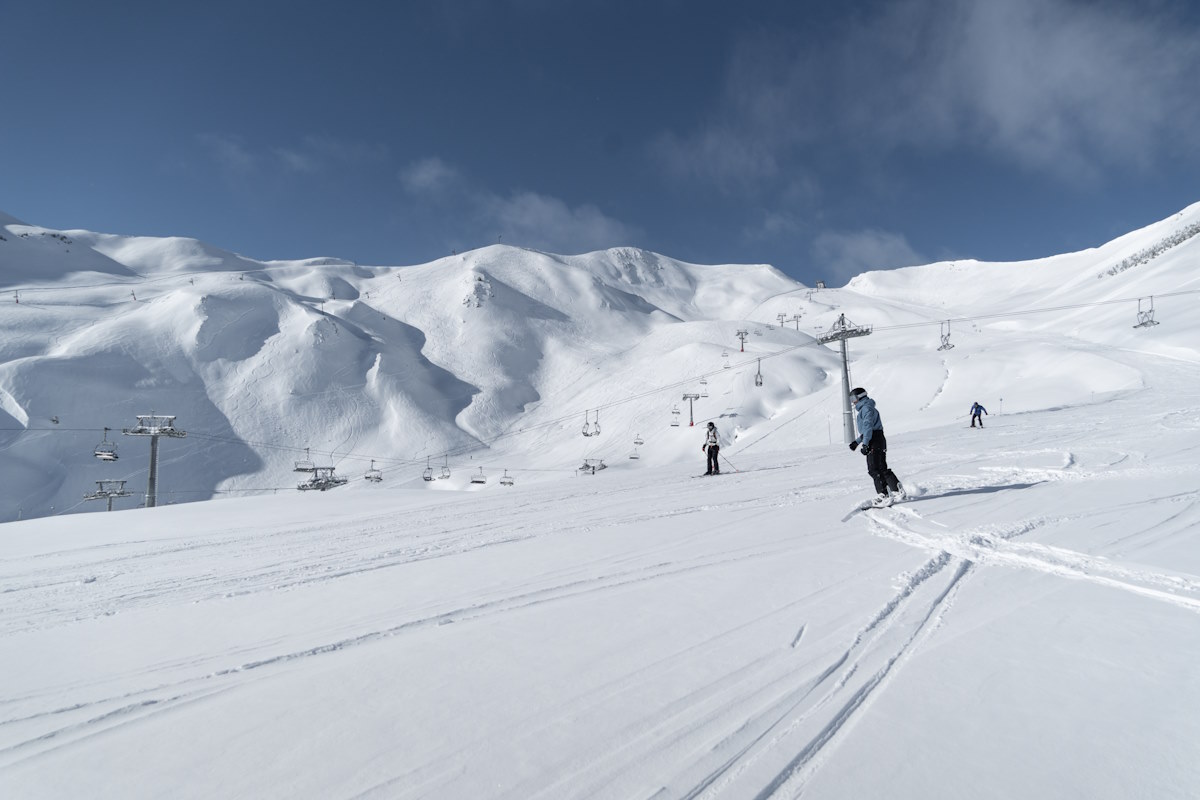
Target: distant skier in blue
x: 976, y: 410
x: 874, y: 447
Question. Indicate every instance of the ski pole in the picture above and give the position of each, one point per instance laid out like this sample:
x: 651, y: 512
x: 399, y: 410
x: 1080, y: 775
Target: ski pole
x: 727, y: 461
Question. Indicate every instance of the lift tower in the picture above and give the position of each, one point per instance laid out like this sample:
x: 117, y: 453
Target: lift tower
x: 107, y: 490
x: 154, y: 426
x: 842, y: 330
x: 691, y: 397
x: 742, y: 335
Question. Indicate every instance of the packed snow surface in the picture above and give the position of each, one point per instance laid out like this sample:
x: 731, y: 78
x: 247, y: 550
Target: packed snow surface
x: 1026, y: 624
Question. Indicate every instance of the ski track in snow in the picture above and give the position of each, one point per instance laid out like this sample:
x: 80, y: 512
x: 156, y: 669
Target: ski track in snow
x: 992, y: 545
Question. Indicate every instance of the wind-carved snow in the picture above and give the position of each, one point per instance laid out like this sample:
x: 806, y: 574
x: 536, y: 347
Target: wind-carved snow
x: 637, y: 632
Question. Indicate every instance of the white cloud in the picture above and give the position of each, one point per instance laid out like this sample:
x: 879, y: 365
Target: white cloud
x: 229, y: 152
x: 428, y: 175
x: 840, y: 255
x: 521, y: 217
x: 1066, y: 86
x: 548, y: 223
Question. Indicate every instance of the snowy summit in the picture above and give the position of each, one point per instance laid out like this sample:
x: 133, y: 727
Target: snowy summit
x: 521, y: 584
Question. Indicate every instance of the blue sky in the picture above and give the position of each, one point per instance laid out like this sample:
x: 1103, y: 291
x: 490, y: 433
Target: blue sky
x: 824, y: 138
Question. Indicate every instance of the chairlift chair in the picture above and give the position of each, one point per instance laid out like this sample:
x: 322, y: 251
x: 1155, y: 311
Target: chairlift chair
x: 944, y: 330
x: 480, y: 478
x: 445, y: 468
x: 758, y: 378
x: 637, y: 439
x: 428, y: 474
x: 106, y: 450
x: 675, y: 416
x: 306, y: 464
x: 1145, y: 318
x: 505, y: 480
x: 373, y: 475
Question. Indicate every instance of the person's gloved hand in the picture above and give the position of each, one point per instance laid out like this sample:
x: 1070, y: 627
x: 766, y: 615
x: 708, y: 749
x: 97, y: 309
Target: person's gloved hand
x: 854, y: 445
x: 866, y: 449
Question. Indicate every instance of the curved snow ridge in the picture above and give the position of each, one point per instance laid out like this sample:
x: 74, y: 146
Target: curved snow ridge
x: 991, y: 545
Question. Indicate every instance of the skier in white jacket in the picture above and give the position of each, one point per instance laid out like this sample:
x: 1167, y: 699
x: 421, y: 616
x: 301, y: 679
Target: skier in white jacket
x: 712, y: 446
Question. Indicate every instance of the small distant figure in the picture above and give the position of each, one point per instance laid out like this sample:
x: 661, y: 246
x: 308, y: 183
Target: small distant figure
x: 874, y: 447
x: 976, y: 411
x: 712, y: 446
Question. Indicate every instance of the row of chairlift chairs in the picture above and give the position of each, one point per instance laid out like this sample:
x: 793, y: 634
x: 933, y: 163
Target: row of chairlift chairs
x: 480, y: 479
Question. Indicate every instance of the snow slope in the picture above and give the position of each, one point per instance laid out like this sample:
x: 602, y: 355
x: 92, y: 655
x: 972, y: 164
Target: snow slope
x: 1025, y: 626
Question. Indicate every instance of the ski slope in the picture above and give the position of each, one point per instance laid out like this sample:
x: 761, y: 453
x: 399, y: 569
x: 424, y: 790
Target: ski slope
x: 1024, y: 626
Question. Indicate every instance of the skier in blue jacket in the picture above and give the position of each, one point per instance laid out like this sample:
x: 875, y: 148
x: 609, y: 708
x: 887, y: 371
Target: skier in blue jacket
x: 976, y: 410
x: 874, y: 447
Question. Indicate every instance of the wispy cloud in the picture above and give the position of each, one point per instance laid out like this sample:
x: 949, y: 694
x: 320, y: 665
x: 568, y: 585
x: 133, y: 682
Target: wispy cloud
x: 309, y: 155
x: 1065, y: 86
x: 428, y: 176
x: 229, y: 153
x: 519, y: 217
x: 840, y: 255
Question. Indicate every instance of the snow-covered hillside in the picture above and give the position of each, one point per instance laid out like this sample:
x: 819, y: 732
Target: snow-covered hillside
x: 497, y: 358
x: 1024, y: 626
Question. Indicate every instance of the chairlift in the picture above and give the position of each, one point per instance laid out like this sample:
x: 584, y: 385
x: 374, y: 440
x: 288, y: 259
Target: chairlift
x: 758, y: 378
x: 446, y: 468
x: 428, y: 474
x: 1145, y: 319
x: 945, y: 334
x: 505, y: 480
x: 704, y: 387
x: 480, y: 478
x: 726, y: 365
x: 637, y: 439
x: 596, y: 424
x: 634, y: 455
x: 305, y: 465
x: 373, y: 475
x: 106, y: 450
x: 587, y: 426
x: 675, y: 416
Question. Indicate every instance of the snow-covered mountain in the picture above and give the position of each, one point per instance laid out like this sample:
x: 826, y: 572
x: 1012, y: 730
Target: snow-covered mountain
x: 498, y: 358
x: 1025, y: 625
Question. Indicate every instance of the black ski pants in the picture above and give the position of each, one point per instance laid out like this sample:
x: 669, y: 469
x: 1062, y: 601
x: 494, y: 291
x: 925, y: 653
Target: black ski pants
x: 877, y: 466
x: 713, y: 466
